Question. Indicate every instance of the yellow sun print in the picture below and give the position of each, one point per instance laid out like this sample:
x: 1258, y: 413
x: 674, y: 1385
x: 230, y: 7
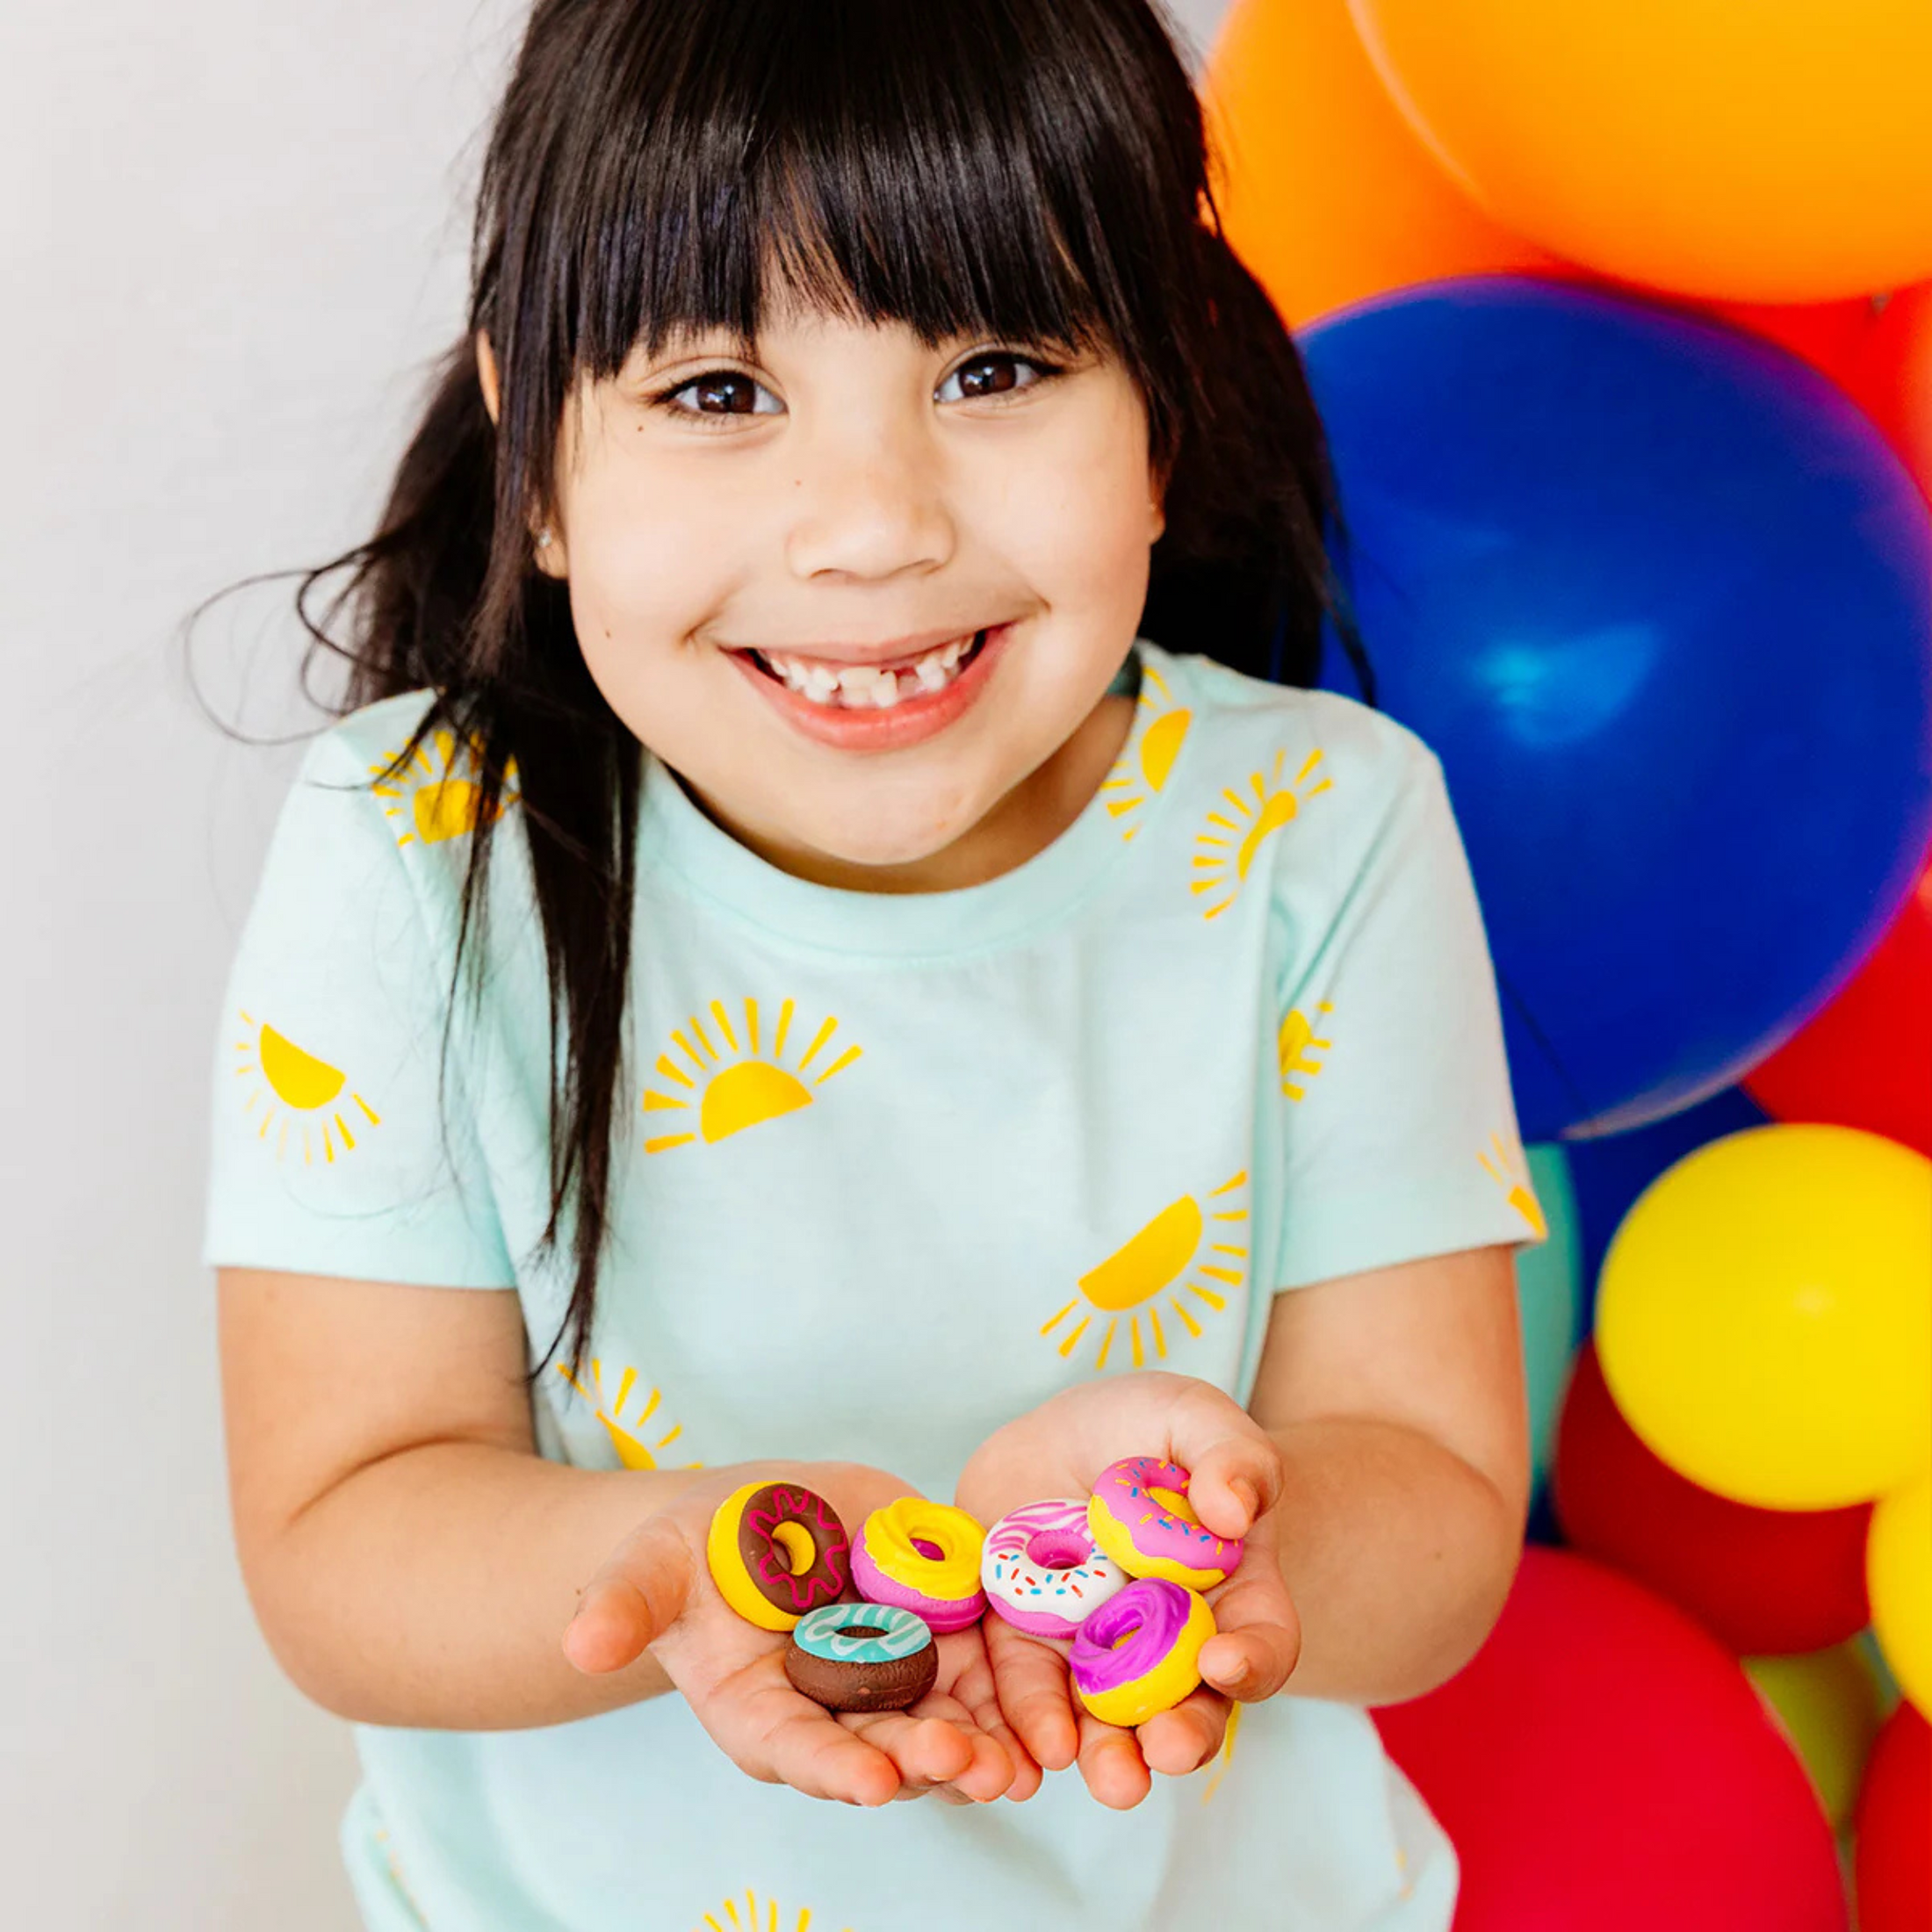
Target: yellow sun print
x: 1224, y: 853
x: 298, y: 1090
x: 1226, y: 1753
x: 732, y: 1087
x: 1297, y: 1044
x: 755, y: 1918
x: 1154, y: 1262
x: 1513, y: 1179
x: 627, y: 1433
x: 1142, y: 770
x: 439, y: 804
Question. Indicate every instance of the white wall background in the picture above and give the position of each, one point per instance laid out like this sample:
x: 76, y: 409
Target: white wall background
x: 233, y: 236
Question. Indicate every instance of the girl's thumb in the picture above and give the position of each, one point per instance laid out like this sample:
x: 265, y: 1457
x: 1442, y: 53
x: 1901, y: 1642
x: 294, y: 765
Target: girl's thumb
x: 637, y: 1595
x: 1233, y: 1480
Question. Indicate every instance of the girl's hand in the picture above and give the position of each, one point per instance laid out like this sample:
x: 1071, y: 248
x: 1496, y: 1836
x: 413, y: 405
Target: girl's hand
x: 1058, y: 1450
x: 655, y: 1591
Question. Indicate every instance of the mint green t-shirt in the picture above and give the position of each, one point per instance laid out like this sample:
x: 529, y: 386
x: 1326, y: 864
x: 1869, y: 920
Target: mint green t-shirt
x: 893, y: 1170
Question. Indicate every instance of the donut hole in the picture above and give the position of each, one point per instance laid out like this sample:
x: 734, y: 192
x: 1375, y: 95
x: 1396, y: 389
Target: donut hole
x: 1058, y: 1550
x: 794, y: 1540
x: 1126, y: 1637
x: 860, y: 1630
x: 1176, y: 1504
x: 932, y: 1551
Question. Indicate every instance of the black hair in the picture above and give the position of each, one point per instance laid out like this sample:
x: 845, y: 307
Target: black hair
x: 1000, y: 169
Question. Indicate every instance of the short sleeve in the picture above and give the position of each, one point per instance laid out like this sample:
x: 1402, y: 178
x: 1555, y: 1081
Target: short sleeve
x: 331, y: 1149
x: 1399, y: 1128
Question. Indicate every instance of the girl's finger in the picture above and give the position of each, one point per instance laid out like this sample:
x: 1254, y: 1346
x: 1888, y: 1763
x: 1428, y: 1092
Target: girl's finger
x: 928, y: 1750
x: 1023, y: 1769
x: 1179, y: 1740
x: 1111, y: 1764
x: 1258, y: 1638
x: 1034, y: 1694
x: 768, y: 1729
x: 976, y: 1691
x: 814, y: 1754
x: 639, y: 1593
x: 989, y: 1771
x: 1235, y: 1474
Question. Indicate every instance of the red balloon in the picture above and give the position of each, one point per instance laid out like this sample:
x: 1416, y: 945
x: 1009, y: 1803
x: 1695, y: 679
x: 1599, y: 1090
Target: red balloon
x: 1765, y: 1582
x: 1605, y: 1765
x: 1866, y: 1059
x: 1891, y: 1848
x: 1878, y: 349
x: 1899, y: 388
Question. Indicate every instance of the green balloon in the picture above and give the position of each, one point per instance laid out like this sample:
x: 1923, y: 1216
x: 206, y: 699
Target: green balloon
x: 1549, y: 1284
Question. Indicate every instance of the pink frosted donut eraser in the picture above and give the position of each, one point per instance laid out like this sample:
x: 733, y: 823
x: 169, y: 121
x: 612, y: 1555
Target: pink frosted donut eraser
x: 1139, y: 1516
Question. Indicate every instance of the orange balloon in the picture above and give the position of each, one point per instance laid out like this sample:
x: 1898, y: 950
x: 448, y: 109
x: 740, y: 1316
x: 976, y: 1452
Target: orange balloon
x: 1745, y: 150
x: 1325, y: 190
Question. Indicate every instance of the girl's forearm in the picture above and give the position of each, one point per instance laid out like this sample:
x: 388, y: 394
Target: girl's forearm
x: 431, y: 1589
x: 1398, y: 1554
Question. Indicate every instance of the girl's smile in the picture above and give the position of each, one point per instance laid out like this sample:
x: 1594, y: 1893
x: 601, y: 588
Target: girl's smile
x: 880, y: 702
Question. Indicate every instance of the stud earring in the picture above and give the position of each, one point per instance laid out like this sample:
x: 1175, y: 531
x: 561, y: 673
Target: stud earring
x: 543, y: 539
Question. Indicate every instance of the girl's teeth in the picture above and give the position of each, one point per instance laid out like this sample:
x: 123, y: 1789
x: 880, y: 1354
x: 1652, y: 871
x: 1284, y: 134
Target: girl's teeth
x: 869, y: 687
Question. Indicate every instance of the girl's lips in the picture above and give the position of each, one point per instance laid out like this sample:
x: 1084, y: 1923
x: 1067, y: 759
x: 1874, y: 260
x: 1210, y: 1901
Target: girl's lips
x: 913, y: 719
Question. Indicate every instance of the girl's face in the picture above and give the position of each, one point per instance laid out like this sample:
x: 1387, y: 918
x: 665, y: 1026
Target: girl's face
x: 864, y: 596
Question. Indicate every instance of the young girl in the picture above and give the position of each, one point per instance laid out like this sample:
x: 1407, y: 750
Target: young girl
x: 831, y: 941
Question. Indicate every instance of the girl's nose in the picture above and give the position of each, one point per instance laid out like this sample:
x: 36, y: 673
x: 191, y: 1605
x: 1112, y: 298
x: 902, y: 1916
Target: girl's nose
x: 868, y: 506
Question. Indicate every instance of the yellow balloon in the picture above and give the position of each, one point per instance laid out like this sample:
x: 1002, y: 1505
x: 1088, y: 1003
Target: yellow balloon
x: 1828, y: 1704
x: 1752, y: 150
x: 1899, y: 1575
x: 1764, y: 1317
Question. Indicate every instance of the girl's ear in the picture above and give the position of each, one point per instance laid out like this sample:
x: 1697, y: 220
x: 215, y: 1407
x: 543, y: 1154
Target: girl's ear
x: 485, y: 374
x: 549, y: 550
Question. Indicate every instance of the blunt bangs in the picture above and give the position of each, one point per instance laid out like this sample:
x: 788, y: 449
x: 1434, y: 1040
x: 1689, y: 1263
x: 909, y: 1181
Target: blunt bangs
x: 994, y: 168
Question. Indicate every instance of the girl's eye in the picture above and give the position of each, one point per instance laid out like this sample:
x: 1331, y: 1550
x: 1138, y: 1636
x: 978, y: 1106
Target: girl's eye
x: 721, y: 392
x: 999, y: 372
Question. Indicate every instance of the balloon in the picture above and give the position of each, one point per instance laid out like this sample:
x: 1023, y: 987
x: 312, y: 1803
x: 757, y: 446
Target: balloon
x: 1897, y: 385
x: 1758, y: 150
x: 1764, y: 1319
x: 1761, y: 1581
x: 1549, y: 1301
x: 1866, y: 1059
x: 1899, y: 1575
x: 1661, y: 599
x: 1608, y: 1173
x: 1604, y: 1765
x: 1877, y: 348
x: 1326, y: 193
x: 1891, y: 1845
x: 1826, y: 1705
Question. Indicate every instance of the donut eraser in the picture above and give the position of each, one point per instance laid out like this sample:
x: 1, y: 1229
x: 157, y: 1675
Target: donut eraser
x: 1141, y: 1516
x: 862, y: 1657
x: 1140, y: 1652
x: 1042, y: 1570
x: 777, y: 1550
x: 923, y: 1557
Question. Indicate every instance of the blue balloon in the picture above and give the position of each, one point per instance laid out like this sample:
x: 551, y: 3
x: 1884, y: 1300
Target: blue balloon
x: 1660, y: 598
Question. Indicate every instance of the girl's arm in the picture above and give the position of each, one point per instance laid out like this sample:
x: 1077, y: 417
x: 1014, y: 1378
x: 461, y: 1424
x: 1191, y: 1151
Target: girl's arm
x: 415, y: 1563
x: 1396, y: 1397
x: 411, y: 1560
